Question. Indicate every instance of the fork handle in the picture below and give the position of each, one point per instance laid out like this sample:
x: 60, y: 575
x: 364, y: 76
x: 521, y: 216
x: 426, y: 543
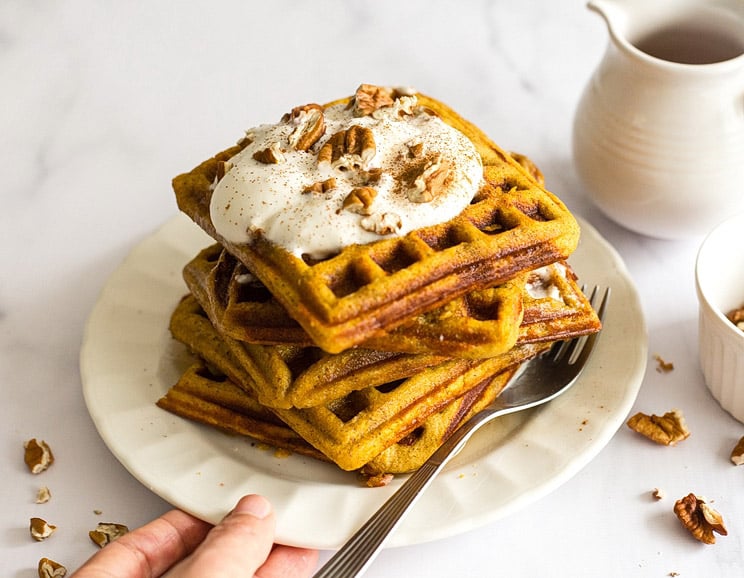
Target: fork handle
x: 359, y: 551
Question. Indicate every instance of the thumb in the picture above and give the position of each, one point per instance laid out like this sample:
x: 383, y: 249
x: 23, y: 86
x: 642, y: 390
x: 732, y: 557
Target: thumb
x: 237, y: 546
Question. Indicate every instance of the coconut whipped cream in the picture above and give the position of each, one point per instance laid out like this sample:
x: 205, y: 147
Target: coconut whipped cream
x: 541, y: 282
x: 400, y: 169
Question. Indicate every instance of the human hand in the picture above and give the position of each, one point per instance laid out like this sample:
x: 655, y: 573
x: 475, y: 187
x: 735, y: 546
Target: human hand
x: 178, y: 545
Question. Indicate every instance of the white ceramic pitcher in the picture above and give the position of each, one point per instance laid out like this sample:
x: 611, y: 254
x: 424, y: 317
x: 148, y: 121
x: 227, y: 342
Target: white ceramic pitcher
x: 659, y: 130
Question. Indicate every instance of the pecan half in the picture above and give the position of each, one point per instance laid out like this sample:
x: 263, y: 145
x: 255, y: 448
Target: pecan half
x: 359, y: 200
x: 270, y: 156
x: 309, y: 124
x: 699, y: 518
x: 667, y: 429
x: 353, y: 148
x: 320, y: 186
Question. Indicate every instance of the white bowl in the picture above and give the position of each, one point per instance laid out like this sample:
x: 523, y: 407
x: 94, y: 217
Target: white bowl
x: 719, y: 279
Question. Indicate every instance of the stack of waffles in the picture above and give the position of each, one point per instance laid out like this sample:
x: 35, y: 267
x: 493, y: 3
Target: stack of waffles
x: 370, y: 355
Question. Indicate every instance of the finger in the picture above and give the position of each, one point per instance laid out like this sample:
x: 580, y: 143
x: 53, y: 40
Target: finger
x: 288, y: 562
x: 147, y: 551
x: 237, y: 546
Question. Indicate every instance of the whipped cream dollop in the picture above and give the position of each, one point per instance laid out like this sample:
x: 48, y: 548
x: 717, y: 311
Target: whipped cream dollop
x: 402, y: 168
x: 541, y: 283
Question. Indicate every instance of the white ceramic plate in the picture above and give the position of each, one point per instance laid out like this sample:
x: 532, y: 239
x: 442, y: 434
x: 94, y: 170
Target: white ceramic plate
x: 128, y: 360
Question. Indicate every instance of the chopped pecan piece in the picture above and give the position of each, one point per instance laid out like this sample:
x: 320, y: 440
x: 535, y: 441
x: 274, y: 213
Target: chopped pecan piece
x: 353, y: 148
x: 51, y: 569
x: 737, y: 317
x: 40, y: 529
x: 222, y: 168
x: 320, y: 186
x: 246, y: 139
x: 43, y: 495
x: 38, y: 455
x: 309, y: 124
x: 371, y: 177
x: 431, y: 181
x: 270, y: 156
x: 737, y: 454
x: 359, y: 200
x: 415, y: 149
x: 667, y: 429
x: 663, y: 366
x: 107, y: 532
x: 699, y: 518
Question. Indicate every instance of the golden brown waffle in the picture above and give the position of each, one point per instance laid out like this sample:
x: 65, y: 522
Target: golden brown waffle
x: 283, y: 376
x: 356, y: 427
x: 409, y: 453
x: 512, y: 224
x: 286, y: 376
x: 469, y: 326
x: 207, y: 397
x: 202, y: 396
x: 563, y: 313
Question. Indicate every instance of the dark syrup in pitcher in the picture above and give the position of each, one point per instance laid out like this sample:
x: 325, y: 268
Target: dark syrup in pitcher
x: 691, y: 44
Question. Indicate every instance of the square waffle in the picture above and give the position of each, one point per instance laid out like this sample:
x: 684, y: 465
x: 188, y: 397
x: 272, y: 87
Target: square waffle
x: 284, y: 376
x: 482, y: 326
x: 545, y: 304
x: 512, y: 224
x: 203, y: 396
x: 354, y: 428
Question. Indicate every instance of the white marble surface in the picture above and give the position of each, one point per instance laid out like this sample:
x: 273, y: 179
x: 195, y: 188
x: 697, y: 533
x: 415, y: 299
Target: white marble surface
x: 103, y: 102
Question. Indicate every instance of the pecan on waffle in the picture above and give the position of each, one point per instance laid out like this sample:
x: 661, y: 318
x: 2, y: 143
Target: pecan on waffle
x: 474, y: 326
x: 512, y: 224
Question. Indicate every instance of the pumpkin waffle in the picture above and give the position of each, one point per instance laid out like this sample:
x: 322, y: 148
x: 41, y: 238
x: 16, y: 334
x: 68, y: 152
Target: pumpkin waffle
x: 512, y: 224
x: 283, y: 376
x: 475, y: 326
x: 208, y: 397
x: 358, y: 426
x: 286, y: 376
x: 205, y: 397
x: 549, y: 305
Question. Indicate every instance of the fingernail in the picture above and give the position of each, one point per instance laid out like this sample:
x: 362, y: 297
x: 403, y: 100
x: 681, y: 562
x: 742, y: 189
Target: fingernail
x: 255, y: 505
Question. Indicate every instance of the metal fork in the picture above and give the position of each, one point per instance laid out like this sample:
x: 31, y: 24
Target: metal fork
x: 541, y: 380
